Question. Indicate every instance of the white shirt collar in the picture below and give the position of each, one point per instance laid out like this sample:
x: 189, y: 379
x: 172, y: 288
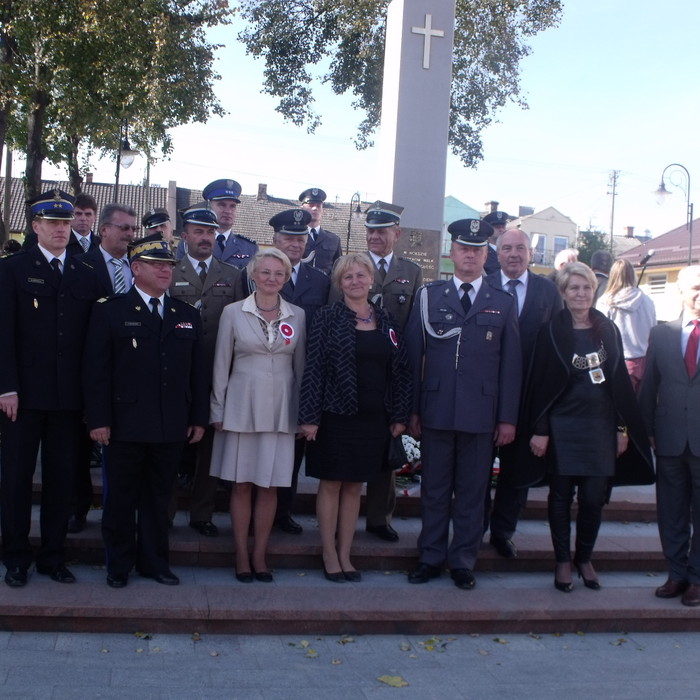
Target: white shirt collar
x: 50, y: 256
x: 476, y: 284
x: 376, y: 258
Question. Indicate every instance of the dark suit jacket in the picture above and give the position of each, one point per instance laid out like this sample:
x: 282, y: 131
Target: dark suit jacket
x: 330, y: 374
x: 542, y: 299
x: 468, y: 383
x: 670, y: 400
x: 324, y: 251
x: 145, y: 380
x: 73, y: 247
x: 237, y: 252
x: 310, y: 291
x: 94, y: 261
x: 43, y: 324
x: 222, y: 286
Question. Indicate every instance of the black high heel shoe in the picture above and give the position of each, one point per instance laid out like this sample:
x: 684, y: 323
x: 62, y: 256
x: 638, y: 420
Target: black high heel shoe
x: 563, y: 586
x: 591, y: 583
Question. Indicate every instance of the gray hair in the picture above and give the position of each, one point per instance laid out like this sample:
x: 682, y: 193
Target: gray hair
x: 112, y: 208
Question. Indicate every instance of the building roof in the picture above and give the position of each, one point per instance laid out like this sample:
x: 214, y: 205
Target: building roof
x: 252, y: 217
x: 670, y: 248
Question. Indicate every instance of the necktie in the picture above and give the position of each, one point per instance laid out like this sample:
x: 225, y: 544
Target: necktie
x: 221, y: 240
x: 56, y: 264
x: 85, y: 243
x: 691, y: 349
x: 382, y: 269
x: 119, y: 281
x: 466, y: 301
x: 154, y: 302
x: 202, y: 271
x: 313, y: 234
x: 293, y: 277
x: 512, y: 284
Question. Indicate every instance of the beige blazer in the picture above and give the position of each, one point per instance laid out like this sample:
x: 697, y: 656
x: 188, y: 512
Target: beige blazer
x: 255, y: 385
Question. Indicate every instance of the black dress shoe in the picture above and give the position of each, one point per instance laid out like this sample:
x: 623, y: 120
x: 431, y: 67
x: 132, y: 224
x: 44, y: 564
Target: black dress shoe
x: 59, y: 573
x: 16, y: 576
x: 691, y: 597
x: 384, y: 532
x: 205, y: 527
x: 287, y: 524
x: 463, y: 578
x: 117, y: 580
x: 244, y: 576
x: 423, y: 573
x: 77, y: 524
x: 504, y: 547
x: 167, y: 578
x: 335, y: 577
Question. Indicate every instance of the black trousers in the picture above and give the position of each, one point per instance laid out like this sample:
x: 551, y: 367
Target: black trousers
x: 58, y: 432
x: 591, y: 496
x: 139, y: 478
x: 82, y: 492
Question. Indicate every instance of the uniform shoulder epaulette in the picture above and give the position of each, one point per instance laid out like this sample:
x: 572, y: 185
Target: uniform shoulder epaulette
x: 103, y: 300
x: 245, y: 238
x: 434, y: 283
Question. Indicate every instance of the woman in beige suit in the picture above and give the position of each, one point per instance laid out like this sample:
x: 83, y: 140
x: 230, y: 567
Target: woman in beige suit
x: 258, y: 366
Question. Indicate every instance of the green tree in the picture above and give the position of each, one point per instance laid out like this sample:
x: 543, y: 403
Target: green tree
x: 590, y: 241
x: 341, y: 42
x: 72, y: 71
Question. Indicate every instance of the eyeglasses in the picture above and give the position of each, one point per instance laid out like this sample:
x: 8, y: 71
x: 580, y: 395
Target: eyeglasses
x: 277, y: 274
x: 123, y: 227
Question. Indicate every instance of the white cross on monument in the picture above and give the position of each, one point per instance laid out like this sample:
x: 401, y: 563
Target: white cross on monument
x: 428, y: 32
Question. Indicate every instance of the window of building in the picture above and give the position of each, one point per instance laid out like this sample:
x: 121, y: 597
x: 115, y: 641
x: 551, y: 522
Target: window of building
x: 657, y: 283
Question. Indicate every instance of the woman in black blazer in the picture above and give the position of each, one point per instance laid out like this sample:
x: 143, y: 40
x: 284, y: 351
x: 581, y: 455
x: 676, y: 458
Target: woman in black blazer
x: 355, y: 395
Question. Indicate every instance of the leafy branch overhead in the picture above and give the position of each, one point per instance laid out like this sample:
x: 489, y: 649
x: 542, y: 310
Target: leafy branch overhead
x: 341, y: 43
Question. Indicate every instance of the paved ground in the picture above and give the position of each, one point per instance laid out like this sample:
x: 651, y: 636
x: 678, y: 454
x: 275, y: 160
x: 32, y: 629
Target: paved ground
x: 488, y: 667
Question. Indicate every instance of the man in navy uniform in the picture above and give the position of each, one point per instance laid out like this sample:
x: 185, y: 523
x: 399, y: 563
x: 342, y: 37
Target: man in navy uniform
x: 45, y: 303
x: 498, y: 221
x: 307, y: 288
x: 158, y: 221
x: 82, y: 238
x: 464, y: 345
x: 146, y: 393
x: 207, y: 284
x: 322, y: 246
x: 109, y: 265
x: 224, y: 197
x: 537, y: 300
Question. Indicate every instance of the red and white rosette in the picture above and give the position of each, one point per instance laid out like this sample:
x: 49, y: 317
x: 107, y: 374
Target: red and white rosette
x: 287, y: 332
x: 393, y: 338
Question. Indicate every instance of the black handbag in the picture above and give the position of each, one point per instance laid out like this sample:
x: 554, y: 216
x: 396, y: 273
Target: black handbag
x: 396, y: 458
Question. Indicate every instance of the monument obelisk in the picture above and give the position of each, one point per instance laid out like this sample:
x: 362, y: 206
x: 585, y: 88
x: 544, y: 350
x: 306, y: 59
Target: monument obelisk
x: 415, y: 122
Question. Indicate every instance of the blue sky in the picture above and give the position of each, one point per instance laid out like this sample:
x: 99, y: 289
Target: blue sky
x: 613, y: 87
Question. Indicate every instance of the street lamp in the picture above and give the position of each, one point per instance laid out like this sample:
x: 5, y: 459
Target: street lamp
x: 355, y: 213
x: 662, y: 193
x: 125, y: 154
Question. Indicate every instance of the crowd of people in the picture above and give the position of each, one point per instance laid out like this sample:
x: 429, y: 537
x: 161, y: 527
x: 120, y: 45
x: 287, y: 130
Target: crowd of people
x: 242, y: 364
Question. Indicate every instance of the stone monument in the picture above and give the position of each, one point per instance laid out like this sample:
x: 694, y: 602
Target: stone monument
x: 415, y: 122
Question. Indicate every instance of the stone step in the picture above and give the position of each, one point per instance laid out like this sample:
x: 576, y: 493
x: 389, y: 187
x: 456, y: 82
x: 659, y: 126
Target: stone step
x: 630, y: 546
x: 301, y: 602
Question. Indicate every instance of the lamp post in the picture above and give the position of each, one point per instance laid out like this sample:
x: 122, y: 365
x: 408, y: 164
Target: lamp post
x: 125, y: 154
x: 662, y: 193
x: 355, y: 213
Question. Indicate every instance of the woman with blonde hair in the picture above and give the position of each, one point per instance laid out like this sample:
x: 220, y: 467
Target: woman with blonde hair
x: 634, y: 314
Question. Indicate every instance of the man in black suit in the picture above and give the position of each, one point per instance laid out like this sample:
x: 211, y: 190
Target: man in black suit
x: 145, y: 395
x: 537, y: 300
x: 45, y: 303
x: 307, y: 288
x: 109, y: 266
x: 82, y: 238
x: 464, y: 346
x: 670, y: 401
x: 322, y: 247
x: 209, y: 285
x: 498, y: 221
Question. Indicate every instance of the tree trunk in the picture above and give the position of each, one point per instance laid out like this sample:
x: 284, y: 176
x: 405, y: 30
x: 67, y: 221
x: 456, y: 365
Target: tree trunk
x: 35, y: 127
x: 3, y: 131
x: 74, y: 177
